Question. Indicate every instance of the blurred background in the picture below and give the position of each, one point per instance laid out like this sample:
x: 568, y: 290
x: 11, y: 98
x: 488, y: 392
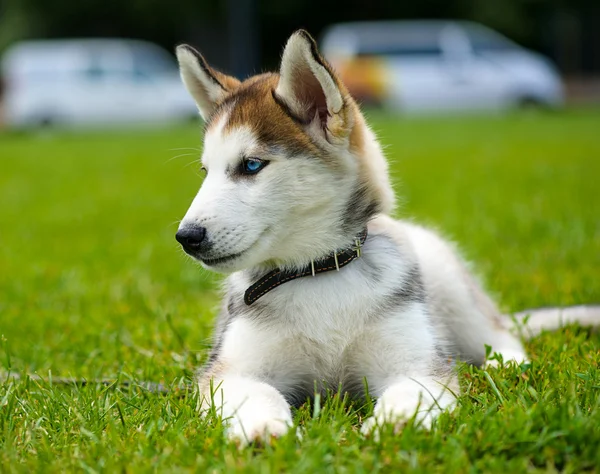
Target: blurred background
x: 500, y: 54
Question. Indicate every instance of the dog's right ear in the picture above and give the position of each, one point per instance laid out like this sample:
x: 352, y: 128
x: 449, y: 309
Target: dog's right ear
x: 206, y: 85
x: 311, y: 90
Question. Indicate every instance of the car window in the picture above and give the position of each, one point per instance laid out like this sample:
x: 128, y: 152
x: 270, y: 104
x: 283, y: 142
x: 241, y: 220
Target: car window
x: 484, y: 40
x: 100, y: 73
x: 94, y: 72
x: 106, y: 63
x: 402, y: 50
x: 399, y: 41
x: 149, y: 62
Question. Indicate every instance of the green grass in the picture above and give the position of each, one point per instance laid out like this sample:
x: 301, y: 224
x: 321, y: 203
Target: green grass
x: 93, y: 284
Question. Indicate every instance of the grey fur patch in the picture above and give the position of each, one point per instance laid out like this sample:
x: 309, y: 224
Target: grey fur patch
x: 361, y: 207
x: 233, y: 307
x: 413, y: 290
x: 444, y: 353
x: 410, y: 291
x: 228, y: 313
x: 370, y: 267
x: 298, y: 396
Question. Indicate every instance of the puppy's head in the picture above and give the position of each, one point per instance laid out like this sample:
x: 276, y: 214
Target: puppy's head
x: 292, y: 171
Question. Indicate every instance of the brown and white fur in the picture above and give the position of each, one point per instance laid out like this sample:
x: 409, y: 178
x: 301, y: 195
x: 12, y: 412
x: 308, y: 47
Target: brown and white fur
x: 396, y: 317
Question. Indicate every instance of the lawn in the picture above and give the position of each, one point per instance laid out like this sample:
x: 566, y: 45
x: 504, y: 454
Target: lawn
x: 93, y: 285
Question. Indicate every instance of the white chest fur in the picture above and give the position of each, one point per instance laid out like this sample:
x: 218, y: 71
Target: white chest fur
x: 317, y: 328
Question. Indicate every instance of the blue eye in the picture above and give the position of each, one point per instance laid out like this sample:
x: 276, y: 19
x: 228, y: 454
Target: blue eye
x: 252, y: 165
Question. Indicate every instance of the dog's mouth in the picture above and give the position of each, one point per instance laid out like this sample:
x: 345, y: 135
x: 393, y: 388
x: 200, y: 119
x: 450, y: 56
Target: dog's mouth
x: 220, y: 261
x: 214, y: 262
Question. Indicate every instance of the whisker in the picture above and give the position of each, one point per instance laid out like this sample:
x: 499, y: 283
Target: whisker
x: 186, y: 148
x: 199, y: 160
x: 181, y: 156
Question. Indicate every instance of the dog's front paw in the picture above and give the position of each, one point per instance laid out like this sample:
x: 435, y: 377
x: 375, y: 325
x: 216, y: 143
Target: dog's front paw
x: 372, y: 425
x: 398, y: 409
x: 422, y: 400
x: 254, y: 428
x: 424, y: 419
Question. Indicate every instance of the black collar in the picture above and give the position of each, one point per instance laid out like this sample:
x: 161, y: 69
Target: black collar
x: 333, y: 261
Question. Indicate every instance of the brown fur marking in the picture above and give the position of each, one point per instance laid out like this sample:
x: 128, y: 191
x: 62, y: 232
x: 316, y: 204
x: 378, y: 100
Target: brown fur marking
x: 252, y: 105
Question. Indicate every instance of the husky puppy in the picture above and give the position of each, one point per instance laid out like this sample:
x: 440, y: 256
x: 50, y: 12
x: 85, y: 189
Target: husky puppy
x: 325, y: 289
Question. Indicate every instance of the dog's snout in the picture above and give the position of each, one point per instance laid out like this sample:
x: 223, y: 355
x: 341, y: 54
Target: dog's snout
x: 191, y: 238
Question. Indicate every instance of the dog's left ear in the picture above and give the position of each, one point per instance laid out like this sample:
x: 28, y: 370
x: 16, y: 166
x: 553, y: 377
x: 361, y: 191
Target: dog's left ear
x: 309, y: 87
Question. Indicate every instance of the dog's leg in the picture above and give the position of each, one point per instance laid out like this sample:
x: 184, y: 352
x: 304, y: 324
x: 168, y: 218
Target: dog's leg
x: 423, y: 397
x: 406, y: 368
x: 253, y: 410
x: 251, y: 371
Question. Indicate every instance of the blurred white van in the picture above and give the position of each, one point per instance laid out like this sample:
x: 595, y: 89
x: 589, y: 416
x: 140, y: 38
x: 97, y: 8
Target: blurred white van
x: 438, y: 65
x: 91, y: 81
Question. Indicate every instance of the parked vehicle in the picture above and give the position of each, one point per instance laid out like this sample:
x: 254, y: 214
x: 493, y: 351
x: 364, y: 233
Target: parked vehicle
x: 439, y: 65
x: 91, y: 81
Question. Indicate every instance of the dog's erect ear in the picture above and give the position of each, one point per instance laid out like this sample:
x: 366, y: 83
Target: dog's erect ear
x: 206, y: 85
x: 308, y: 85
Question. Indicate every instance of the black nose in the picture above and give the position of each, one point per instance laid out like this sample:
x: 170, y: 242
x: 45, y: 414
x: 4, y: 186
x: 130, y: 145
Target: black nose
x: 191, y: 238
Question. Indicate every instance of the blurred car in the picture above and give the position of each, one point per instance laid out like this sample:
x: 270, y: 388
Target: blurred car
x: 91, y: 81
x: 439, y: 65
